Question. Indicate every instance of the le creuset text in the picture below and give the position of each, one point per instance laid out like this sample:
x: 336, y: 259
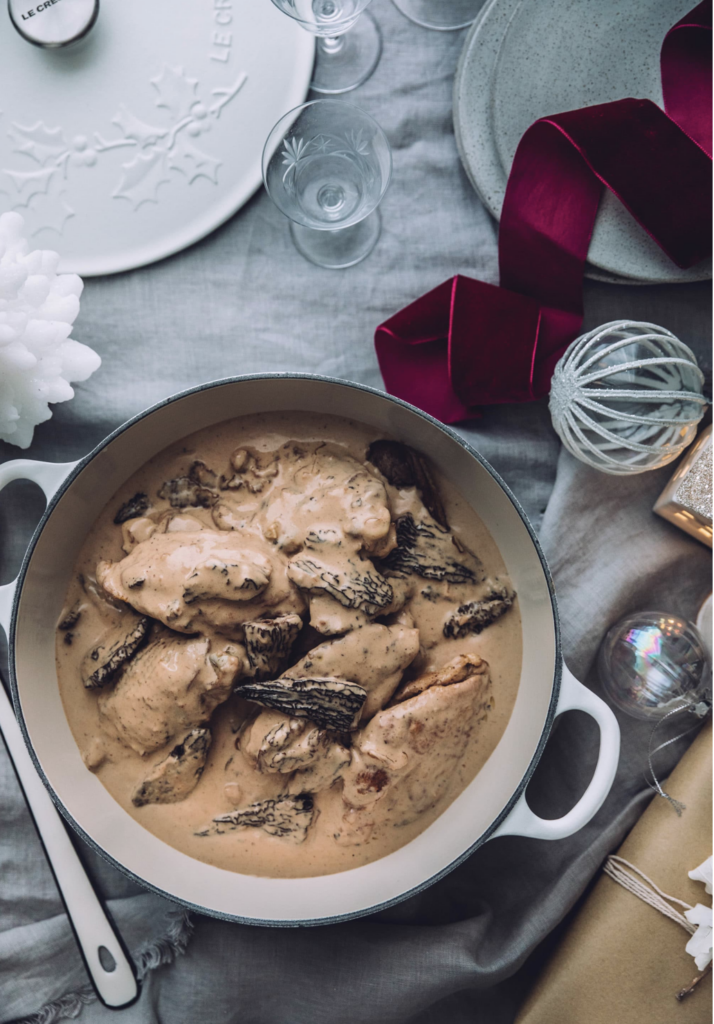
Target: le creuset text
x: 39, y: 9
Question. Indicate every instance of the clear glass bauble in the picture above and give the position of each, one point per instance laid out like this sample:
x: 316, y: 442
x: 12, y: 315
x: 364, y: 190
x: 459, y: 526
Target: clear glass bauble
x: 652, y: 663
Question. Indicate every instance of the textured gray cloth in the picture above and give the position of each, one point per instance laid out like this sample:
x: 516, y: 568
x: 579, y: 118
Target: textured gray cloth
x: 244, y: 301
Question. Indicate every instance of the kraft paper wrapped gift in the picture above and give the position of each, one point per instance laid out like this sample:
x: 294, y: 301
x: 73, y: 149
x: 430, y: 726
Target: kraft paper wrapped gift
x: 622, y: 961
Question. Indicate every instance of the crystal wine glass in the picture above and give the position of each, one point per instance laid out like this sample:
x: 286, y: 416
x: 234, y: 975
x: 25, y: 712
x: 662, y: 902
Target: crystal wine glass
x: 442, y: 15
x: 348, y: 46
x: 326, y: 165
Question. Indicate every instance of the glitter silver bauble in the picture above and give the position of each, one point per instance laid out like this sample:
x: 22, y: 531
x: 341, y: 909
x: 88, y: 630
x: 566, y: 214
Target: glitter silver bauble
x: 627, y: 397
x: 652, y: 663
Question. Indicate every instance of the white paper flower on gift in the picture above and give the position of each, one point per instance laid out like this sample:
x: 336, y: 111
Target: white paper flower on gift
x: 703, y: 874
x: 38, y: 359
x: 700, y: 944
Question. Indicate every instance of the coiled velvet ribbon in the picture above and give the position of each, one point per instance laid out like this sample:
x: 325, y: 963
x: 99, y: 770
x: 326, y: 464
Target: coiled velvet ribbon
x: 467, y: 343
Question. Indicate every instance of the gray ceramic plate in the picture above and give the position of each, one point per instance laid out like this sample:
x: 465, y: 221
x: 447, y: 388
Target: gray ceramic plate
x: 520, y: 63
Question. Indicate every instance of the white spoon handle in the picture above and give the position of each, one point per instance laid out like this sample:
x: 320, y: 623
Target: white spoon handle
x: 105, y: 959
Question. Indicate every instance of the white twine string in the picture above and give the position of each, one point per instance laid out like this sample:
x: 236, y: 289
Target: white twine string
x: 642, y: 886
x: 645, y: 889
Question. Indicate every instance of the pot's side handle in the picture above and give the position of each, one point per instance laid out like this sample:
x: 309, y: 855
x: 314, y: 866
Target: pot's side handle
x: 522, y: 821
x: 49, y: 476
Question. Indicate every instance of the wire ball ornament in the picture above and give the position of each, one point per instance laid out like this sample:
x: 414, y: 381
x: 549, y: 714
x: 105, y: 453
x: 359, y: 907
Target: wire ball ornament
x: 627, y: 397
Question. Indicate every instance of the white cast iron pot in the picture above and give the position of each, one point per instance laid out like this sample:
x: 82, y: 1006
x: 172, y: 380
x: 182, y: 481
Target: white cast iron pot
x: 492, y: 805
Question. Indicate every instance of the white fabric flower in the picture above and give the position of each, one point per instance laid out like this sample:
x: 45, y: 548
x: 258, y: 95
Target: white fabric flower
x: 38, y: 359
x: 700, y: 944
x: 703, y: 874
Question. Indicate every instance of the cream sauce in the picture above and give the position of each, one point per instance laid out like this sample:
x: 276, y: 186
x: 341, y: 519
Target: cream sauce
x: 259, y: 541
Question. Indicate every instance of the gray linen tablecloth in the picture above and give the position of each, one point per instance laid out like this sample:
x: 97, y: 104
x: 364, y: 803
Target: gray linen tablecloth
x: 244, y: 301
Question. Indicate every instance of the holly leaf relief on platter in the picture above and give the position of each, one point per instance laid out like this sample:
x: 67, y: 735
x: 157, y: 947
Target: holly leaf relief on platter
x: 39, y: 142
x: 191, y: 161
x: 154, y: 151
x: 142, y: 177
x: 25, y: 184
x: 177, y: 92
x: 45, y: 147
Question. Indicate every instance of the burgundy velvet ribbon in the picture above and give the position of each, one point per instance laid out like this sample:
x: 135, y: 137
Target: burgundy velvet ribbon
x: 467, y: 343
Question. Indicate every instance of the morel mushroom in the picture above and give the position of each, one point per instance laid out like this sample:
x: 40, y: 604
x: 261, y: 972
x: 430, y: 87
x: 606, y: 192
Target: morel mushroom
x: 404, y: 467
x: 107, y: 656
x: 474, y: 616
x: 276, y: 743
x: 288, y: 817
x: 352, y: 586
x: 197, y: 490
x: 139, y: 505
x: 426, y: 549
x: 331, y: 703
x: 268, y: 643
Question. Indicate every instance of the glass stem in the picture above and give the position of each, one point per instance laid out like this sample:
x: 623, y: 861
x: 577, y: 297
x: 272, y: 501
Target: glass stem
x: 331, y: 45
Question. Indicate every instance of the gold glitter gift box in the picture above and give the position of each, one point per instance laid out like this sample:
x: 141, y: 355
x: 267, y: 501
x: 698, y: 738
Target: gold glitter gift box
x: 686, y: 501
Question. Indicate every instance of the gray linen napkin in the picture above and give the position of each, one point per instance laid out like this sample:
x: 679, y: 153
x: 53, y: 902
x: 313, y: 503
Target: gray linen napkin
x: 244, y: 301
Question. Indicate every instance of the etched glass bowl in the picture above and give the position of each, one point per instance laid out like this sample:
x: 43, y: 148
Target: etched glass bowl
x: 327, y: 165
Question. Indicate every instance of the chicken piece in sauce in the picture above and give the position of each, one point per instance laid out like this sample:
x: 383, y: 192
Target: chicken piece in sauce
x: 202, y: 580
x: 404, y: 759
x: 173, y: 685
x: 278, y: 743
x: 374, y: 657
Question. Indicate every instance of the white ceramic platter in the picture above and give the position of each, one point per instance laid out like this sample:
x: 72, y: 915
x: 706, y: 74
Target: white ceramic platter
x: 148, y: 134
x: 523, y: 60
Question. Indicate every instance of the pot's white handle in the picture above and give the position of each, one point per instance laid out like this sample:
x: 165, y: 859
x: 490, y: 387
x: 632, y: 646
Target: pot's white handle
x: 522, y: 821
x: 104, y: 956
x: 49, y: 476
